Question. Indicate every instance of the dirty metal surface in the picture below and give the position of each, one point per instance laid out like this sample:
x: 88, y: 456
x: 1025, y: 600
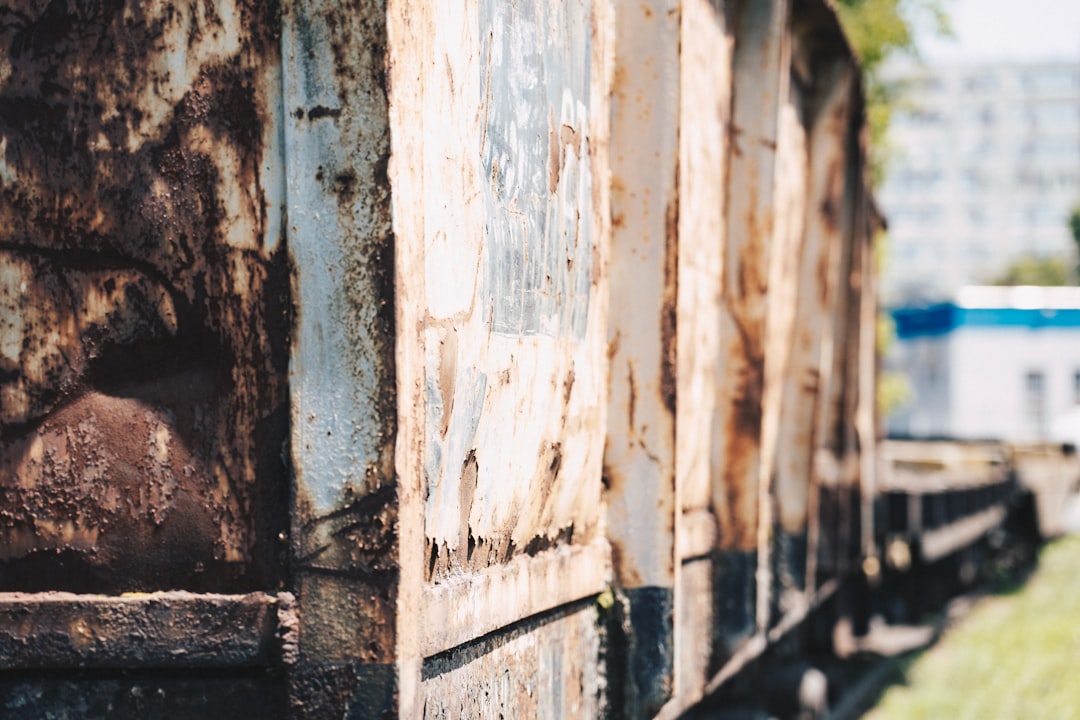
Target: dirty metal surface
x: 829, y: 95
x: 543, y: 668
x: 160, y: 630
x: 760, y: 89
x: 639, y: 461
x: 706, y: 46
x: 639, y: 458
x: 866, y: 415
x: 144, y: 297
x: 456, y: 611
x: 514, y: 279
x: 704, y: 117
x: 931, y: 466
x: 499, y: 125
x: 838, y: 462
x: 343, y: 422
x: 786, y: 259
x: 97, y: 695
x: 1052, y: 473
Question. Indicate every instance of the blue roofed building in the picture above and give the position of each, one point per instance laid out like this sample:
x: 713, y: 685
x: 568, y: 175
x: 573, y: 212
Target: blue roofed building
x: 995, y: 362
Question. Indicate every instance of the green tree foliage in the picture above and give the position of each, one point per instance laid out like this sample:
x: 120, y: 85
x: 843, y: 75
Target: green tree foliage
x: 1074, y: 228
x: 879, y: 30
x: 894, y: 388
x: 1032, y: 270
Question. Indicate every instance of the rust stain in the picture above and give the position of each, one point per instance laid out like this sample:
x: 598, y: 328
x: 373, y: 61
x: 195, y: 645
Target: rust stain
x: 742, y: 441
x: 153, y: 320
x: 470, y: 470
x: 626, y: 571
x: 569, y: 138
x: 619, y: 82
x: 669, y: 305
x: 448, y: 376
x: 824, y: 281
x: 554, y: 154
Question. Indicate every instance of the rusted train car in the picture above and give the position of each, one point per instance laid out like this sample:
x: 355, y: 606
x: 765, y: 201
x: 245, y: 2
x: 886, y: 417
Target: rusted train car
x: 413, y: 359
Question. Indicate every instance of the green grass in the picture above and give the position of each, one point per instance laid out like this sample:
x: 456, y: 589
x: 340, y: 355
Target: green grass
x: 1016, y: 655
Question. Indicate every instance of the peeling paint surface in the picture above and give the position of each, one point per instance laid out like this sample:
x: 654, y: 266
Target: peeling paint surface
x: 144, y: 296
x: 513, y: 275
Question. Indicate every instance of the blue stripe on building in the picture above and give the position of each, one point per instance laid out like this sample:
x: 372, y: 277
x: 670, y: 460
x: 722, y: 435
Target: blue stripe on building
x: 946, y: 317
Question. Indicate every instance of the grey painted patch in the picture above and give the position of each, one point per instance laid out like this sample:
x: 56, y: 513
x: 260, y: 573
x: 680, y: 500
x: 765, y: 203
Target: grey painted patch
x: 535, y: 158
x: 466, y: 403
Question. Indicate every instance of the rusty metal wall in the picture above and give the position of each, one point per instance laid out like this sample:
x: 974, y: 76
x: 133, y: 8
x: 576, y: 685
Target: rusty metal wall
x: 145, y: 297
x: 501, y: 235
x: 467, y: 358
x: 741, y: 219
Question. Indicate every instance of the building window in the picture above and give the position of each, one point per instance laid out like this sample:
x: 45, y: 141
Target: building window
x: 1076, y: 387
x: 1034, y: 401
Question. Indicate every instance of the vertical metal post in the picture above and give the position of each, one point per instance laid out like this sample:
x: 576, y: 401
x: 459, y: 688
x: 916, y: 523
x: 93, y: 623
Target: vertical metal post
x: 344, y: 507
x: 639, y: 463
x: 761, y: 75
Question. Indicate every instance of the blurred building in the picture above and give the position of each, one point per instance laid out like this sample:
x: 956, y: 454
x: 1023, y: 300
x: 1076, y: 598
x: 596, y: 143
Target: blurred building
x: 985, y: 168
x: 995, y: 362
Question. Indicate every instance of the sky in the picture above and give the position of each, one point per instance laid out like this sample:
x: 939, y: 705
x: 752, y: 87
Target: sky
x: 1008, y: 30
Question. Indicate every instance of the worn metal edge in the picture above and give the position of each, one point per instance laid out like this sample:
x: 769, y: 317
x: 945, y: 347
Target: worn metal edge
x: 462, y: 608
x: 175, y: 629
x: 936, y: 544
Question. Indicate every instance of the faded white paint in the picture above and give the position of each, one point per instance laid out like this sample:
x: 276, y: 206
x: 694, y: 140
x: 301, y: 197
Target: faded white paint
x: 513, y: 272
x: 640, y: 456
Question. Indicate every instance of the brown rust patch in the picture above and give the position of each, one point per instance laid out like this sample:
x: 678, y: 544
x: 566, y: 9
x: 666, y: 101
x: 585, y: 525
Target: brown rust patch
x: 139, y: 198
x: 447, y: 376
x: 742, y: 445
x: 554, y: 152
x: 470, y: 470
x: 625, y: 571
x: 669, y: 305
x: 569, y: 137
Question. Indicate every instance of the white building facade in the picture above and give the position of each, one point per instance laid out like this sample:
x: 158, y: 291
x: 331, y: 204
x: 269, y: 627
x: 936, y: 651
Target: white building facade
x: 985, y: 169
x: 994, y: 363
